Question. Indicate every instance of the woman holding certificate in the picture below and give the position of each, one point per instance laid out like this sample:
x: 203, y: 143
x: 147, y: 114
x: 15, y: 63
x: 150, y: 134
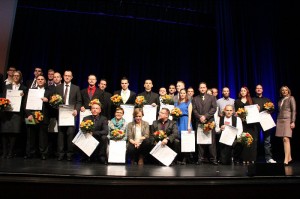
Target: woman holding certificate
x: 12, y: 120
x: 249, y: 152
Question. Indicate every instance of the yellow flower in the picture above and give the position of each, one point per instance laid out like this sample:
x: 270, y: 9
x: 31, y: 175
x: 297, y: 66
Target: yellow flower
x: 87, y: 126
x: 116, y: 99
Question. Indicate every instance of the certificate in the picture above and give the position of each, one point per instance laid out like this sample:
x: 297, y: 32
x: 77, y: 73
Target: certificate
x: 168, y: 106
x: 253, y: 114
x: 266, y: 120
x: 187, y: 141
x: 228, y: 135
x: 128, y: 112
x: 117, y: 151
x: 87, y: 112
x: 86, y: 142
x: 15, y: 99
x: 65, y: 117
x: 150, y: 113
x: 34, y: 99
x: 164, y: 154
x: 203, y: 137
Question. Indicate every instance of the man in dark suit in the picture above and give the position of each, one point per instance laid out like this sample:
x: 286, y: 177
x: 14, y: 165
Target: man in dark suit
x: 169, y: 127
x: 72, y: 97
x: 204, y: 108
x: 128, y: 96
x: 105, y: 99
x: 151, y: 97
x: 40, y: 129
x: 89, y: 93
x: 32, y: 83
x: 99, y: 132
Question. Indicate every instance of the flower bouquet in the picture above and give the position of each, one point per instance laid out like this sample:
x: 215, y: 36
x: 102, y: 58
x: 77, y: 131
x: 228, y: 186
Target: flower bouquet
x: 117, y: 134
x: 55, y: 100
x: 38, y: 116
x: 176, y: 113
x: 116, y: 99
x: 269, y: 106
x: 242, y: 113
x: 5, y: 104
x: 246, y: 139
x: 87, y: 126
x: 140, y: 101
x: 167, y: 99
x: 208, y: 126
x: 94, y: 101
x: 159, y: 135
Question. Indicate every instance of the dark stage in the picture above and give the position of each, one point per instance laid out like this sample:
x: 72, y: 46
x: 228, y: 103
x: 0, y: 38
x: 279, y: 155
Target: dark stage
x: 36, y: 178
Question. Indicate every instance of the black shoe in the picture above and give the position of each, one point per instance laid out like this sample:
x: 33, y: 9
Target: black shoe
x: 69, y: 158
x: 60, y: 158
x: 27, y: 157
x: 103, y: 160
x: 43, y: 157
x: 199, y: 162
x: 214, y: 162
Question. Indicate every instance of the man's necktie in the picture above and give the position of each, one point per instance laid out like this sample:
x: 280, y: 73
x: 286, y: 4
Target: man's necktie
x: 33, y: 85
x: 90, y: 93
x: 66, y: 93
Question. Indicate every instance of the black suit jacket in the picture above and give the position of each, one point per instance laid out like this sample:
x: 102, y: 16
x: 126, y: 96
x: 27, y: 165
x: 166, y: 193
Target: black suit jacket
x: 206, y: 107
x: 171, y: 128
x: 106, y: 104
x: 154, y: 98
x: 100, y: 125
x: 74, y: 95
x: 86, y: 99
x: 131, y: 99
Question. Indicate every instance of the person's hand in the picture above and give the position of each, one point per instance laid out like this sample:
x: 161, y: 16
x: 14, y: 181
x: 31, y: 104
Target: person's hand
x: 74, y: 113
x: 292, y: 125
x: 164, y: 142
x: 44, y: 99
x: 30, y: 118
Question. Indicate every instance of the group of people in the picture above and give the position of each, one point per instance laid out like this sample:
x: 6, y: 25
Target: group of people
x: 197, y: 111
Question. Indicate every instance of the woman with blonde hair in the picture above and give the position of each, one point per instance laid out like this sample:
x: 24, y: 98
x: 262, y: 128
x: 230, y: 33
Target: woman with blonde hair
x: 286, y: 119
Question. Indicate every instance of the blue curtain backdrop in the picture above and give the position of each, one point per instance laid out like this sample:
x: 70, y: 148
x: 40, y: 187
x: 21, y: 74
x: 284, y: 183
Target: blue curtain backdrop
x: 224, y: 43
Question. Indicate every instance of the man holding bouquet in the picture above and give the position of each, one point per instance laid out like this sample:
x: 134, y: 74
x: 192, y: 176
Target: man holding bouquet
x: 99, y: 132
x: 261, y: 101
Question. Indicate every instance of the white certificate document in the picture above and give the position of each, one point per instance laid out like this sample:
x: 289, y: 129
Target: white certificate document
x: 65, y: 117
x: 128, y: 112
x: 15, y: 99
x: 53, y: 125
x: 86, y: 142
x: 203, y: 137
x: 164, y: 154
x: 150, y: 113
x: 168, y: 106
x: 188, y: 141
x: 228, y: 135
x: 117, y: 151
x: 34, y: 99
x: 253, y: 114
x: 266, y: 120
x: 87, y: 112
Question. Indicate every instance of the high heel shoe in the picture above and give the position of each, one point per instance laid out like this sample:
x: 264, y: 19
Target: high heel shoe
x: 291, y: 162
x: 286, y: 164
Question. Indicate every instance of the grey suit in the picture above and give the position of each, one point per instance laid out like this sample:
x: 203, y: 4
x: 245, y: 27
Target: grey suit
x: 207, y: 108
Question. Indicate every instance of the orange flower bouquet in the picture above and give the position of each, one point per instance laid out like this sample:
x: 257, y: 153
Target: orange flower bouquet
x: 208, y: 126
x: 87, y: 126
x: 140, y: 101
x: 116, y: 99
x: 246, y: 139
x: 94, y: 101
x: 38, y: 116
x: 269, y: 106
x: 55, y: 101
x: 159, y: 135
x: 176, y: 113
x: 167, y: 99
x: 5, y: 104
x: 242, y: 113
x: 117, y: 134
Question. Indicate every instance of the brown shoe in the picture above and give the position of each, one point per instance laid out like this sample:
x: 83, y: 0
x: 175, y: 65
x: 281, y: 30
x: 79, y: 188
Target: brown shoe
x: 141, y: 160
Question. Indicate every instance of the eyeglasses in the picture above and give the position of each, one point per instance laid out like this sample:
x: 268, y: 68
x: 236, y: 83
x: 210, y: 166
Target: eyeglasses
x: 11, y: 70
x: 37, y: 71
